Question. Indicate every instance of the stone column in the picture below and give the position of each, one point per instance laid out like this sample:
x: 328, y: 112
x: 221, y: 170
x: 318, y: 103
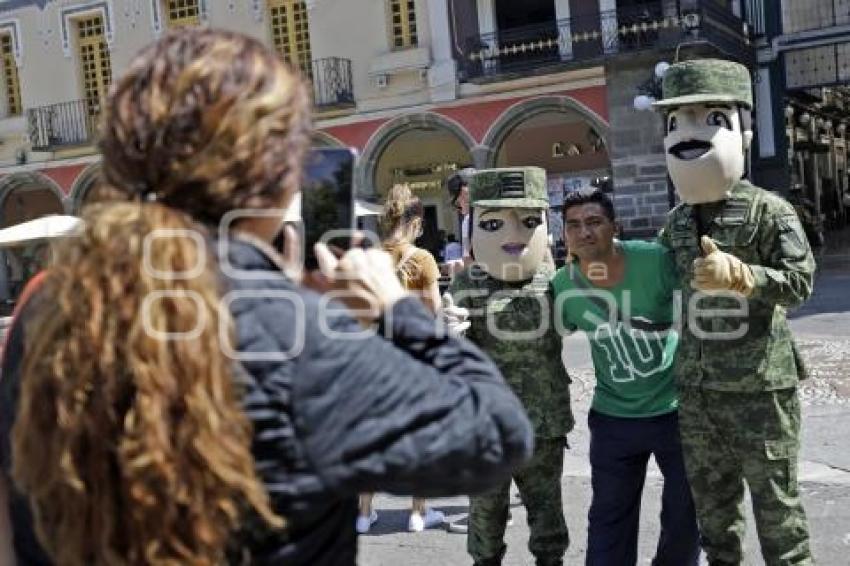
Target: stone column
x: 442, y: 74
x: 565, y: 36
x: 487, y: 28
x: 608, y: 23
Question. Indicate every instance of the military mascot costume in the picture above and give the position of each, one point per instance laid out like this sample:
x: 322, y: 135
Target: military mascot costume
x: 506, y: 291
x: 743, y: 259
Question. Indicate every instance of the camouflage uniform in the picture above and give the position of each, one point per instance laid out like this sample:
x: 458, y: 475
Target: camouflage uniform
x: 739, y: 413
x: 533, y: 368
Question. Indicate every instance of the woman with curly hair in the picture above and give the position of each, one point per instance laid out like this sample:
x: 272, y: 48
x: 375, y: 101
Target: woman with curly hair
x: 170, y: 396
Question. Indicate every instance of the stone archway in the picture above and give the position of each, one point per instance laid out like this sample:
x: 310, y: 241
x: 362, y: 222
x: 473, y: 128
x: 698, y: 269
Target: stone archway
x: 527, y: 109
x: 27, y: 196
x: 23, y: 197
x: 324, y: 139
x: 83, y: 190
x: 365, y: 176
x: 421, y: 150
x: 559, y: 134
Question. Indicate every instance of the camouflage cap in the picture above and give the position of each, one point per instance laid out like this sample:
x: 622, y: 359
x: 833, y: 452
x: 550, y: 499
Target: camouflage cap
x: 706, y: 80
x: 509, y: 187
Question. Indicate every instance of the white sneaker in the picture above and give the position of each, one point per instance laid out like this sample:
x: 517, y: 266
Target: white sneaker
x: 363, y: 524
x: 418, y: 523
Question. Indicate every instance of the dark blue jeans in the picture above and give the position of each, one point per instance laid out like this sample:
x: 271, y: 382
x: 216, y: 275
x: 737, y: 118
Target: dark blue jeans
x: 619, y: 452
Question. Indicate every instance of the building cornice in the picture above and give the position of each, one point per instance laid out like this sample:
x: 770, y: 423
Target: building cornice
x: 503, y: 90
x: 804, y: 40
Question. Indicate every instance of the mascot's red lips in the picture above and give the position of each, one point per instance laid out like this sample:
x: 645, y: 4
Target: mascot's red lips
x: 513, y: 249
x: 691, y: 149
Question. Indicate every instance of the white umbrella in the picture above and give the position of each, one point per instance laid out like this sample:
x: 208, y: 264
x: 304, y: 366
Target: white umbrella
x: 365, y: 208
x: 44, y: 228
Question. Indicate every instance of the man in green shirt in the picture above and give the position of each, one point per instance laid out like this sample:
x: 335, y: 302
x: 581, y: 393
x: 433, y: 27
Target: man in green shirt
x: 622, y: 295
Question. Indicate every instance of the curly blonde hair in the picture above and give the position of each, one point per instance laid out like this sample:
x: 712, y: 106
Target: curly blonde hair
x: 130, y: 440
x: 400, y: 224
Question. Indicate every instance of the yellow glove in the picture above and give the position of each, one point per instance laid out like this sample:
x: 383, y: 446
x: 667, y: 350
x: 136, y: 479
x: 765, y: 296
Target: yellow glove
x: 719, y: 271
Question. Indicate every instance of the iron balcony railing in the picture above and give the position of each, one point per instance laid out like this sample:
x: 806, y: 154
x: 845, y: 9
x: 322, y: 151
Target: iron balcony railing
x: 63, y: 124
x: 605, y: 34
x: 332, y: 84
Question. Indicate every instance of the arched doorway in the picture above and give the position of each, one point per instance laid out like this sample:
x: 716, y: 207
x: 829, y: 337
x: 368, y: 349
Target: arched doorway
x: 24, y: 197
x: 420, y: 150
x: 27, y: 196
x: 560, y: 135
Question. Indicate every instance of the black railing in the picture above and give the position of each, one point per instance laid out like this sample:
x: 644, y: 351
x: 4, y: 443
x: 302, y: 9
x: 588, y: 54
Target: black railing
x: 64, y: 124
x: 606, y: 34
x: 332, y: 85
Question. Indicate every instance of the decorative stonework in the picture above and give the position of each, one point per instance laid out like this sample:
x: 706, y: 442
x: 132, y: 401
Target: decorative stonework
x: 13, y: 27
x: 103, y: 7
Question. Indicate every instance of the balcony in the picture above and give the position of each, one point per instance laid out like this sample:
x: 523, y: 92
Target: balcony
x: 66, y: 124
x: 332, y: 84
x: 577, y: 41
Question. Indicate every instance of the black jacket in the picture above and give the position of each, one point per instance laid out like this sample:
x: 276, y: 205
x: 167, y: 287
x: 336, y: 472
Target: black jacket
x: 336, y: 412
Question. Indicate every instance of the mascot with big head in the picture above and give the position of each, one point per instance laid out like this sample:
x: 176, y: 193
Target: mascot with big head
x: 507, y: 293
x: 743, y: 259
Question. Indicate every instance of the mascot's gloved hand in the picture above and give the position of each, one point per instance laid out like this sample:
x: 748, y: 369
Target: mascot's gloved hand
x: 719, y: 271
x: 454, y: 317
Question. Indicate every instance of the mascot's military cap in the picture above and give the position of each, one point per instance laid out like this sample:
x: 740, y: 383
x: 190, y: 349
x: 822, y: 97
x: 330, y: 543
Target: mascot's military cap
x: 703, y: 81
x: 509, y: 187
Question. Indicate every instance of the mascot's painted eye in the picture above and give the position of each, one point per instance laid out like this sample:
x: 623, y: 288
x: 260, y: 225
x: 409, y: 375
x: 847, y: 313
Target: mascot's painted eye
x: 532, y: 222
x: 492, y: 225
x: 672, y: 123
x: 718, y: 118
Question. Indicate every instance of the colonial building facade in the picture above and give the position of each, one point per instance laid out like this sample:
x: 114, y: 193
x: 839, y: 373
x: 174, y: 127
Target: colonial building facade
x: 420, y: 88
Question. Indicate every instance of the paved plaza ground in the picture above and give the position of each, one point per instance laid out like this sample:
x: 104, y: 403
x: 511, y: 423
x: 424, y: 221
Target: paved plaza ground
x: 822, y: 327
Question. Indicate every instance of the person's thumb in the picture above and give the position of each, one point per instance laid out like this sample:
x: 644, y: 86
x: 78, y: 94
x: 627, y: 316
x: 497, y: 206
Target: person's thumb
x: 709, y: 246
x: 326, y: 259
x: 448, y: 301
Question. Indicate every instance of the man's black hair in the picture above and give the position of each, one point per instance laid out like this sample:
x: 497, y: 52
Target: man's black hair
x: 457, y: 181
x: 588, y: 195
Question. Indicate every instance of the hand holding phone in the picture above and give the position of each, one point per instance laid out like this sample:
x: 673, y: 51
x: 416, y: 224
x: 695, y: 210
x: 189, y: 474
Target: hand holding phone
x: 365, y: 280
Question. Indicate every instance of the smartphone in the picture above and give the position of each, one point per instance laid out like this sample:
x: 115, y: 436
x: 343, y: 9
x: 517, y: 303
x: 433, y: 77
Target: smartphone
x: 327, y: 202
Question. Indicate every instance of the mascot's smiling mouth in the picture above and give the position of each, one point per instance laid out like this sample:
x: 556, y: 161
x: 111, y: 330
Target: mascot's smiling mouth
x: 691, y: 149
x: 513, y: 249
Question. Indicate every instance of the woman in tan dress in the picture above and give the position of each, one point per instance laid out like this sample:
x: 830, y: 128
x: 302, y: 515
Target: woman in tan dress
x: 419, y: 273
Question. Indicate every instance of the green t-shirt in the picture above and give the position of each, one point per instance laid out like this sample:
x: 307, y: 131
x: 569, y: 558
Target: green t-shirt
x: 634, y: 367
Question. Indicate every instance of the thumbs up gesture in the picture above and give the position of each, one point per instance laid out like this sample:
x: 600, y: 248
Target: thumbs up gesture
x: 719, y: 271
x: 454, y: 317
